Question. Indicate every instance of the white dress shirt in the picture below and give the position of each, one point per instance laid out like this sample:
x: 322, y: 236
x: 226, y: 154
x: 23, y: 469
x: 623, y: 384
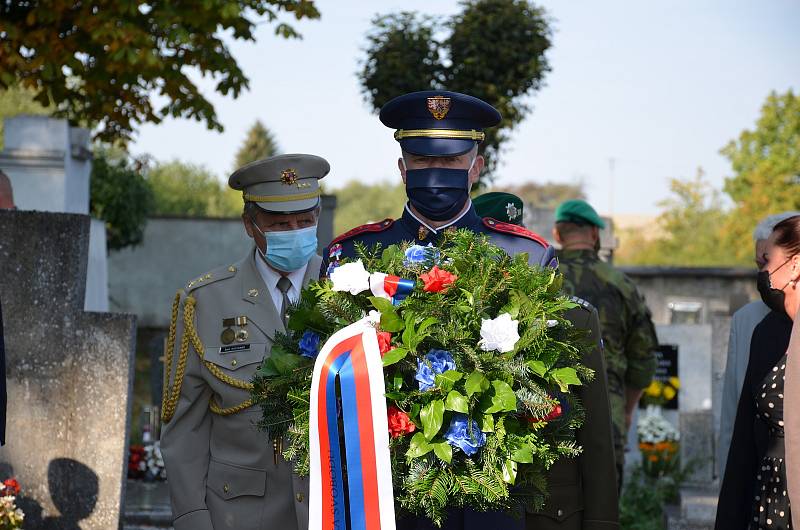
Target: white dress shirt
x: 271, y: 277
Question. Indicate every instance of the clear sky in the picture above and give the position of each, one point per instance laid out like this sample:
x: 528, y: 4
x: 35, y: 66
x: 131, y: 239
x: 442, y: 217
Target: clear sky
x: 659, y: 87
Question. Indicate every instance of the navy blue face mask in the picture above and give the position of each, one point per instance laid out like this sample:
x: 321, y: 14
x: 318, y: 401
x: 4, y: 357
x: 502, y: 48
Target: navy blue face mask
x: 438, y: 193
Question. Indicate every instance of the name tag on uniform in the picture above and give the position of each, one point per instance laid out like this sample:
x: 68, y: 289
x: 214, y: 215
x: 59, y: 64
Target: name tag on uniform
x: 234, y: 348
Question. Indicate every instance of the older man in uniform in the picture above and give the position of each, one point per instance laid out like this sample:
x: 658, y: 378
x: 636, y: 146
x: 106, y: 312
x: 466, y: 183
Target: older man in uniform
x: 439, y: 133
x: 223, y: 472
x: 628, y: 332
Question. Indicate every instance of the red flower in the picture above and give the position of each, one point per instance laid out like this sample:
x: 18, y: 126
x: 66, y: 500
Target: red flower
x: 437, y: 280
x: 399, y: 422
x: 384, y: 342
x: 11, y: 487
x: 554, y: 413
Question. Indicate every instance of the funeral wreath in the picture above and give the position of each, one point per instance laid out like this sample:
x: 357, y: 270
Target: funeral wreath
x: 479, y: 361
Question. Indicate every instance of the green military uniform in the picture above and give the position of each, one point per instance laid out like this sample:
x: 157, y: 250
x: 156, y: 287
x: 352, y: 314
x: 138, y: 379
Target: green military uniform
x: 627, y: 329
x: 580, y: 498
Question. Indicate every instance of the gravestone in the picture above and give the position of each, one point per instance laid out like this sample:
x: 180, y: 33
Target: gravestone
x: 49, y: 164
x: 69, y: 376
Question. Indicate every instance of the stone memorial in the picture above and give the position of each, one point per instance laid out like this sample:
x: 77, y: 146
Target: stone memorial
x: 69, y: 376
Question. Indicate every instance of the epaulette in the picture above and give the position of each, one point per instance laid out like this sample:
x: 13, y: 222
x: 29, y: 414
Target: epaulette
x: 369, y: 227
x: 208, y: 278
x: 508, y: 228
x: 581, y: 302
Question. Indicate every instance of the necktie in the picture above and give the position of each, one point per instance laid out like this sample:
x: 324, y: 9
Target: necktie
x: 284, y: 284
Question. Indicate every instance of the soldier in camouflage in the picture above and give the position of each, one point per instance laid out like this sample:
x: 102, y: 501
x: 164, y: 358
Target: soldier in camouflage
x: 627, y: 329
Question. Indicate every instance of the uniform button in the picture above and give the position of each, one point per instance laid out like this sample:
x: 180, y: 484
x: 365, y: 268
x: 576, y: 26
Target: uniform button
x: 226, y: 488
x: 560, y: 513
x: 299, y: 497
x: 234, y: 363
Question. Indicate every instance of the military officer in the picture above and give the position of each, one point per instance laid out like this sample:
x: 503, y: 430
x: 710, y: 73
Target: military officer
x: 500, y: 206
x: 439, y: 133
x: 627, y: 330
x: 223, y: 472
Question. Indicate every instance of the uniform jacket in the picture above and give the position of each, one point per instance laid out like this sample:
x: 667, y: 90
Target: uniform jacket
x: 221, y: 469
x: 579, y: 497
x: 628, y: 333
x: 512, y: 238
x: 3, y: 397
x: 583, y: 495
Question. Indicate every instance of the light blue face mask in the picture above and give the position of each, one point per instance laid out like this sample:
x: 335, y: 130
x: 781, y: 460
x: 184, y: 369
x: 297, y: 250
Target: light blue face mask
x: 291, y: 249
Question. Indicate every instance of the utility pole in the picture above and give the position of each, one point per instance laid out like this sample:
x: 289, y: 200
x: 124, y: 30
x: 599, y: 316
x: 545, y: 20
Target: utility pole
x: 611, y: 163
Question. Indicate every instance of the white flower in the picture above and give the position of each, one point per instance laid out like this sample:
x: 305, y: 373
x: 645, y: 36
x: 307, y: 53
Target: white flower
x: 374, y: 318
x: 352, y: 277
x: 552, y: 323
x: 500, y: 334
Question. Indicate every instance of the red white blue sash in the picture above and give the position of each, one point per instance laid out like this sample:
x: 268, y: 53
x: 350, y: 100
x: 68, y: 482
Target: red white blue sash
x: 352, y: 356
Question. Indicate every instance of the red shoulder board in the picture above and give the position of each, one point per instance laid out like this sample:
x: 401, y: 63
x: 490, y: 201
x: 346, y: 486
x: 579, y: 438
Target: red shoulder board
x: 508, y: 228
x: 371, y: 227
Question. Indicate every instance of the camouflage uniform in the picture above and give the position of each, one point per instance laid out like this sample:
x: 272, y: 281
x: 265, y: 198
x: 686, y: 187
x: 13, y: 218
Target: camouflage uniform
x: 627, y: 330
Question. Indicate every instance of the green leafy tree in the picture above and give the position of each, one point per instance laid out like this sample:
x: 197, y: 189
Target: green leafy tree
x: 101, y: 63
x: 690, y: 230
x: 189, y: 190
x: 15, y: 101
x: 766, y: 170
x: 259, y: 143
x: 493, y: 49
x: 120, y: 196
x: 547, y: 194
x: 358, y: 203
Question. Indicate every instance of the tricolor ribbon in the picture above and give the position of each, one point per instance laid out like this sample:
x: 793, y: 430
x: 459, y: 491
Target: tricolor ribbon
x: 352, y: 356
x: 390, y: 287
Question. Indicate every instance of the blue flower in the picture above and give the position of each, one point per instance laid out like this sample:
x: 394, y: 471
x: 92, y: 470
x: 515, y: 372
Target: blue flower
x: 309, y: 345
x: 465, y: 434
x: 435, y: 362
x: 416, y: 254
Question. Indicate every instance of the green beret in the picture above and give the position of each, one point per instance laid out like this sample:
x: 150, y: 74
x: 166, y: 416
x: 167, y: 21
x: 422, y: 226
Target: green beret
x: 505, y: 207
x: 578, y: 212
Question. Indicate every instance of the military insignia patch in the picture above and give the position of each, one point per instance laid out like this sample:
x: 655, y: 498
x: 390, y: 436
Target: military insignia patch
x: 336, y: 251
x: 422, y: 233
x: 511, y: 211
x: 439, y: 106
x: 288, y: 176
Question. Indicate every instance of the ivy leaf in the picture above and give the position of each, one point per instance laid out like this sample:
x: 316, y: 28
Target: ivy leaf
x: 390, y: 320
x: 456, y: 402
x: 444, y: 451
x: 487, y: 423
x: 418, y: 446
x: 432, y: 415
x: 280, y: 364
x: 538, y: 367
x: 476, y: 383
x: 565, y: 377
x: 523, y: 455
x: 447, y: 380
x: 510, y: 472
x: 393, y: 356
x: 500, y: 399
x: 397, y: 381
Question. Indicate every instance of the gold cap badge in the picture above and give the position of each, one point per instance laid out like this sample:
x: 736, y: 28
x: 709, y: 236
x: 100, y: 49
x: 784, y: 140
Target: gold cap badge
x: 439, y: 106
x: 289, y: 176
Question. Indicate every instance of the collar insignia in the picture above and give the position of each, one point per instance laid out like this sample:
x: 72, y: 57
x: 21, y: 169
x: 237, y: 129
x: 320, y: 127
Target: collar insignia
x: 439, y: 106
x: 422, y: 233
